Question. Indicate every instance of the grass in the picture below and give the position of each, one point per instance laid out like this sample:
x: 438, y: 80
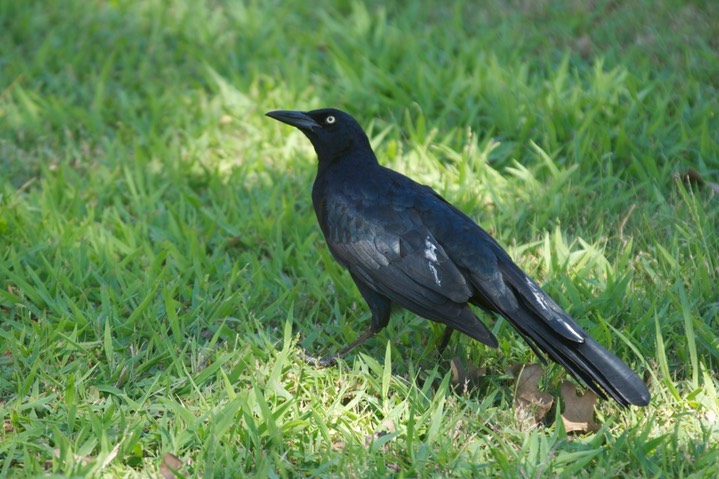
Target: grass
x: 159, y: 258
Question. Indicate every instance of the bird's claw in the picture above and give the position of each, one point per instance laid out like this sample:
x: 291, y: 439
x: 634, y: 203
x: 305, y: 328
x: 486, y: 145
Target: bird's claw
x: 324, y: 362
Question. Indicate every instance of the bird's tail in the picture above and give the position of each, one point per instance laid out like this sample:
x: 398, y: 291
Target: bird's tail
x: 588, y: 361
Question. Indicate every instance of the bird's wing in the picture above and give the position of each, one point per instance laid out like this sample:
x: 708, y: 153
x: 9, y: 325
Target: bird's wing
x: 497, y: 282
x: 391, y: 251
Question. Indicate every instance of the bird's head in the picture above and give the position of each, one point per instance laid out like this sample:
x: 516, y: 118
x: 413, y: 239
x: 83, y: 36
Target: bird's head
x: 332, y: 132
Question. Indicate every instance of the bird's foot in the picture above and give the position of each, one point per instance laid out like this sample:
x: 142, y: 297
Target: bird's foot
x: 331, y: 360
x: 321, y: 362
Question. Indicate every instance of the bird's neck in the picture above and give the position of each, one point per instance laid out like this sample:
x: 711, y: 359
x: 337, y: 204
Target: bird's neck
x: 352, y: 160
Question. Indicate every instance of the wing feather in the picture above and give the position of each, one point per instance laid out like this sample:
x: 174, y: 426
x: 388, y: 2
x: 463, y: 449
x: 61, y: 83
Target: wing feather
x: 398, y: 256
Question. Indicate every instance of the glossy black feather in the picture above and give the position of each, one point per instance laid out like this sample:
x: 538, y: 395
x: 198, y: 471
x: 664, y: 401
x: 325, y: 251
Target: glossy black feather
x: 404, y: 244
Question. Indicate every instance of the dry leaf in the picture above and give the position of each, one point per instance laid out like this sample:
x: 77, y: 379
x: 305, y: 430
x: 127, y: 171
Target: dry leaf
x: 457, y: 371
x: 170, y: 465
x: 578, y: 414
x: 529, y: 401
x: 466, y: 378
x: 387, y: 427
x: 584, y: 45
x: 693, y: 176
x: 111, y: 457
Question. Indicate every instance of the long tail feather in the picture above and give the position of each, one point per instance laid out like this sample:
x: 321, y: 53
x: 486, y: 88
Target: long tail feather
x: 588, y: 361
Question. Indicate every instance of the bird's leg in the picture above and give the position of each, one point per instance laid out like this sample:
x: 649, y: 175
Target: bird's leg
x: 446, y: 335
x: 331, y: 360
x: 380, y: 307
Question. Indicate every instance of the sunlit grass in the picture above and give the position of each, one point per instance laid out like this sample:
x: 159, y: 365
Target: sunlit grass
x: 159, y: 256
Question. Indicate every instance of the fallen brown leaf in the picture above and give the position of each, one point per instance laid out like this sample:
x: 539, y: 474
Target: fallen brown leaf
x: 529, y: 402
x: 466, y: 378
x: 692, y: 176
x: 387, y: 427
x: 578, y: 414
x: 584, y: 45
x: 170, y: 465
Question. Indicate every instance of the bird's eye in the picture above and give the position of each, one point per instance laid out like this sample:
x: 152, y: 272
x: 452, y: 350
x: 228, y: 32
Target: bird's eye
x: 330, y: 120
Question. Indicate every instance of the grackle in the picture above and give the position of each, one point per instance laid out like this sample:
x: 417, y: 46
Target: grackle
x: 404, y: 244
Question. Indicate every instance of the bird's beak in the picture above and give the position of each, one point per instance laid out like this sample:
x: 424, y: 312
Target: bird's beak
x: 298, y: 119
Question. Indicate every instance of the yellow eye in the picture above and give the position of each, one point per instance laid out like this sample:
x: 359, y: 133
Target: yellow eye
x: 330, y: 120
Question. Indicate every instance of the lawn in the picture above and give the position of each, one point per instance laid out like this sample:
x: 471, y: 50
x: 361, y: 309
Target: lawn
x: 161, y: 265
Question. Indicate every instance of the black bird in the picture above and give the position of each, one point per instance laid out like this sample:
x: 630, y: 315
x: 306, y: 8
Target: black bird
x: 404, y: 244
